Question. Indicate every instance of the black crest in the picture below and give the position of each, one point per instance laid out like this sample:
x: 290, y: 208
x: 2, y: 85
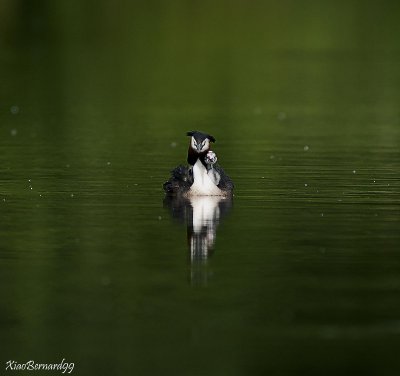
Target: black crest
x: 200, y: 136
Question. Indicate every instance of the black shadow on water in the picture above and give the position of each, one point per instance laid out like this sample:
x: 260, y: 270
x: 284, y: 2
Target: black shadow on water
x: 201, y: 215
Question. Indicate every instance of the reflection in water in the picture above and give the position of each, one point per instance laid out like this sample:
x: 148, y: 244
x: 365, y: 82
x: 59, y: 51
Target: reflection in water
x: 201, y: 215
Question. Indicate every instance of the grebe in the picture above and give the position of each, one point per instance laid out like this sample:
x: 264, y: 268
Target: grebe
x: 203, y: 177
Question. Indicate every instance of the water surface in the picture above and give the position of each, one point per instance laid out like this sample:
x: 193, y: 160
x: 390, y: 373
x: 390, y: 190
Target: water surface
x: 299, y: 274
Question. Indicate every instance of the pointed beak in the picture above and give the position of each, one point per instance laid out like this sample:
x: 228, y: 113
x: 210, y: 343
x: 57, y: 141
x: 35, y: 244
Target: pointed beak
x: 198, y: 147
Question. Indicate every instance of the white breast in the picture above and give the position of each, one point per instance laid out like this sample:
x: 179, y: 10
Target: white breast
x: 203, y: 184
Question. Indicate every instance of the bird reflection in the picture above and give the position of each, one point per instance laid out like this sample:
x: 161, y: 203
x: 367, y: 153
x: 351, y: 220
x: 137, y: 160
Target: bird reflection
x: 202, y: 215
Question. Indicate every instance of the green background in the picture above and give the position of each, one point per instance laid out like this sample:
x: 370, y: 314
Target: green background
x: 303, y: 99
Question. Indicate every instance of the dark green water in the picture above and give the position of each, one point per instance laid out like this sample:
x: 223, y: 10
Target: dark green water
x: 303, y: 99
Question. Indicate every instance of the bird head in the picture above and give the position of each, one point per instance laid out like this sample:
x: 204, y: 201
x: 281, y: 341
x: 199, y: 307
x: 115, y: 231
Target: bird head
x: 200, y: 142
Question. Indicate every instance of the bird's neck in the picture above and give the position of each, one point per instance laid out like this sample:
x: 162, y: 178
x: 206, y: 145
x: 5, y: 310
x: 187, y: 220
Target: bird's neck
x: 193, y: 156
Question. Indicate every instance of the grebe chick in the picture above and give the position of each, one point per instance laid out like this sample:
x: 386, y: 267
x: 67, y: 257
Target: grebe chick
x: 203, y: 177
x: 210, y: 158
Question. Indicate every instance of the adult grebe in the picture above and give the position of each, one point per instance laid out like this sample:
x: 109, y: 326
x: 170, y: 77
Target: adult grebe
x: 203, y: 177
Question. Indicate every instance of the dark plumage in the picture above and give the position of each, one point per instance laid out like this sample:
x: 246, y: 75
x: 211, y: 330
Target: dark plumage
x: 203, y: 177
x: 180, y: 181
x: 200, y: 136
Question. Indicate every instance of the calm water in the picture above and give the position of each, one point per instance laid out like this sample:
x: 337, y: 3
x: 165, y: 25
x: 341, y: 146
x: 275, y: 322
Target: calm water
x: 298, y: 275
